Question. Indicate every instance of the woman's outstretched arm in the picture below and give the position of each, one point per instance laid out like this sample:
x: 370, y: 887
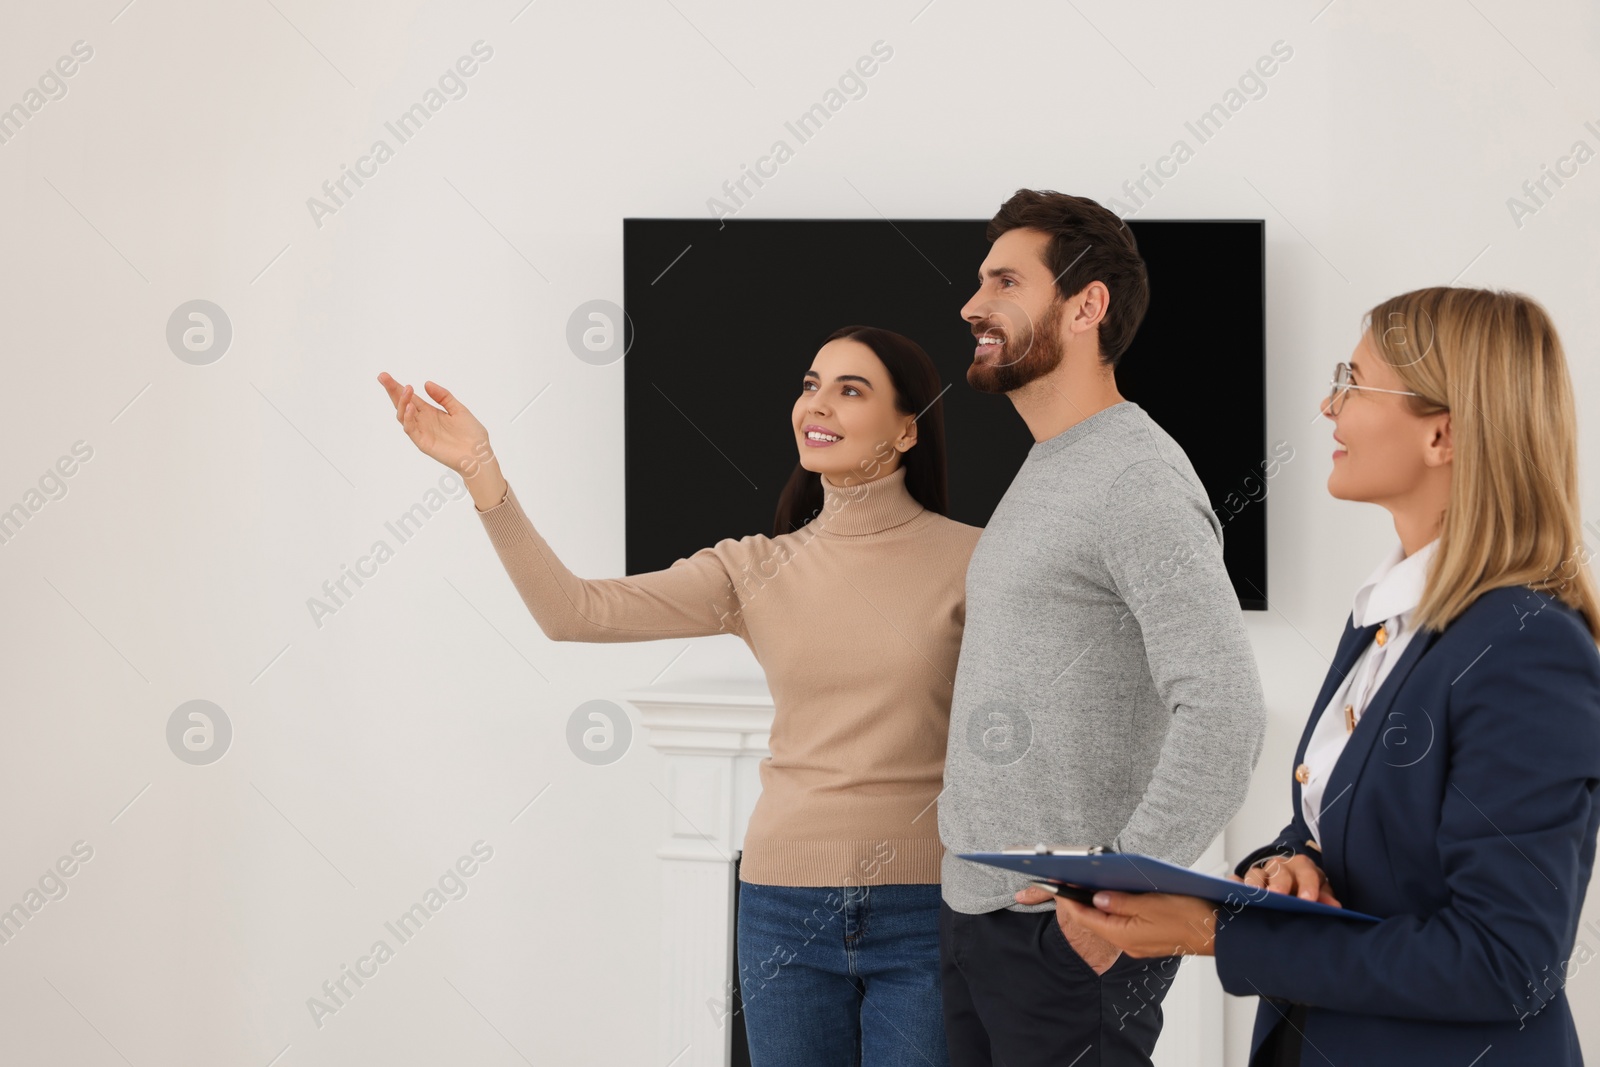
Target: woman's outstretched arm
x: 694, y: 597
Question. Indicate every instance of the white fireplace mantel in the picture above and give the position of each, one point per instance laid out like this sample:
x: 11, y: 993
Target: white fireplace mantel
x: 713, y: 733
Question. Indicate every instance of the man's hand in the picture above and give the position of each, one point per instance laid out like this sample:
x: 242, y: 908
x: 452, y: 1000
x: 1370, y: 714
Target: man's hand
x: 1096, y: 951
x: 1298, y: 876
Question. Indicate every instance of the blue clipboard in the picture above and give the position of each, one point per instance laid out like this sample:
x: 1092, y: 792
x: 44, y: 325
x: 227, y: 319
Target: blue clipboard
x: 1129, y: 872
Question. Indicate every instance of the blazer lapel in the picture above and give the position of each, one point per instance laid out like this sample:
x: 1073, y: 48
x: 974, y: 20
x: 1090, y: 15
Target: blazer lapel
x: 1334, y: 821
x: 1351, y: 642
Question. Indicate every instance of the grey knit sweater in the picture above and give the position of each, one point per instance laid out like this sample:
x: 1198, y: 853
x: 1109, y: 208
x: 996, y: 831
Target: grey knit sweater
x: 1106, y: 692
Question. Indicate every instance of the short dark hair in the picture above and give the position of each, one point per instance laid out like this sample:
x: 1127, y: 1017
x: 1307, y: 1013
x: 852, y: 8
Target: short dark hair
x: 1088, y: 243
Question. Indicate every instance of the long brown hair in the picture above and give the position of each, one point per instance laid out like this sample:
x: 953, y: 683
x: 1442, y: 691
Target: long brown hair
x: 916, y: 392
x: 1494, y: 361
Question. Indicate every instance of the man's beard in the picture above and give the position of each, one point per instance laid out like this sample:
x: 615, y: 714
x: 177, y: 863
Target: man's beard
x: 1042, y: 354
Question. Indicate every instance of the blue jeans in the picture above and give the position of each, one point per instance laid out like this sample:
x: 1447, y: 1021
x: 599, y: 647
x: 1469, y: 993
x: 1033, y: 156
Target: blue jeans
x: 841, y: 977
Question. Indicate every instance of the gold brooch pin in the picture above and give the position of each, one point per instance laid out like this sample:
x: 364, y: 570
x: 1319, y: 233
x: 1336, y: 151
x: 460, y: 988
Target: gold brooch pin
x: 1382, y: 636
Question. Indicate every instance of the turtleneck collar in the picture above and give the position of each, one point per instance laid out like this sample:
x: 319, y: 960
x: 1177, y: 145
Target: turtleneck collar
x: 864, y: 509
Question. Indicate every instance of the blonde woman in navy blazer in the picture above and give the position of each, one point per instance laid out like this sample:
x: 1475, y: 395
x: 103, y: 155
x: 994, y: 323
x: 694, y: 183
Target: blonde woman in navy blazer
x: 1448, y: 789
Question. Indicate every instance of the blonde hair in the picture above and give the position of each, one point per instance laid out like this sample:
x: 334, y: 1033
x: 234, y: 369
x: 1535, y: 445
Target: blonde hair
x: 1493, y: 360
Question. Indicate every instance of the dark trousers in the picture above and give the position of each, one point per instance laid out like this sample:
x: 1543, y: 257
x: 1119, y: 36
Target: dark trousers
x: 1017, y: 994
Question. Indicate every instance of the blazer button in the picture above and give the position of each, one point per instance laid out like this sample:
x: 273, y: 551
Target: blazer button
x: 1302, y: 773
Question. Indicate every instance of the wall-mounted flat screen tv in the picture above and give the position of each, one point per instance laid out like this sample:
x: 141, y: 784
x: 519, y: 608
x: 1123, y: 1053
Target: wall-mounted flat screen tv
x: 725, y: 316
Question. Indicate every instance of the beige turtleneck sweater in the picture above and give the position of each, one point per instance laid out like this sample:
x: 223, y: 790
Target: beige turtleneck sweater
x: 856, y: 620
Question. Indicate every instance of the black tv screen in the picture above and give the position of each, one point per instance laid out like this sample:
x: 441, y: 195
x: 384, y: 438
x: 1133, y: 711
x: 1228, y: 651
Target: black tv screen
x: 724, y: 318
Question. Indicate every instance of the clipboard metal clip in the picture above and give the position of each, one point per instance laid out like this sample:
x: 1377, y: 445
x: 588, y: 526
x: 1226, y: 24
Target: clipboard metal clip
x: 1058, y: 850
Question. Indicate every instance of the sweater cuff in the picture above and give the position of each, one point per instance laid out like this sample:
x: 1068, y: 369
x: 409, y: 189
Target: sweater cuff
x: 500, y: 504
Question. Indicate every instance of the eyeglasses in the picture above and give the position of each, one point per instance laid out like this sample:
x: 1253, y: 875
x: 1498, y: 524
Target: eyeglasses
x: 1342, y: 385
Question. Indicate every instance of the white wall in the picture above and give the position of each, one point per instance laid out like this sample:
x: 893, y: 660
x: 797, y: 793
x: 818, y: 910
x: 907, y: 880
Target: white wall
x: 372, y: 751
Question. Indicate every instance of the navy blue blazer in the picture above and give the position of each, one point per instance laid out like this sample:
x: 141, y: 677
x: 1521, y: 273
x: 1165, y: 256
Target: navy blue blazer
x: 1462, y: 812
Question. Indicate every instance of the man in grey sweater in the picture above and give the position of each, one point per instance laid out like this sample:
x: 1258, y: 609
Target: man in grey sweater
x: 1106, y: 692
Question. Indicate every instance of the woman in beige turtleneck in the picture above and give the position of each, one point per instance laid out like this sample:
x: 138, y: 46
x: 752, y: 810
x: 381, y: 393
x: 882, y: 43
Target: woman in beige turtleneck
x: 854, y: 608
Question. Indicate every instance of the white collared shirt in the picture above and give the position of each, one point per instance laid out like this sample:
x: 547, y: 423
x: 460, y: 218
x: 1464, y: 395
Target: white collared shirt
x: 1388, y: 596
